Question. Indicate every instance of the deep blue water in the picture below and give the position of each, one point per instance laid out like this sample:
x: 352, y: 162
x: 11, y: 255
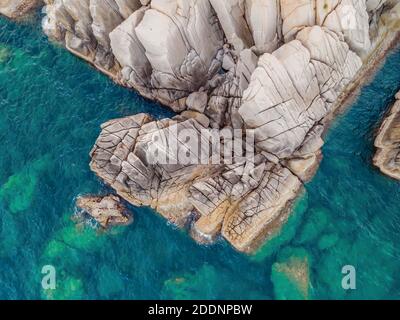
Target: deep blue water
x: 51, y: 108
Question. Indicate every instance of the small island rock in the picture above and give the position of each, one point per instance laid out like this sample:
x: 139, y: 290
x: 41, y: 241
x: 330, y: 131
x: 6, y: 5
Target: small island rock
x: 107, y: 211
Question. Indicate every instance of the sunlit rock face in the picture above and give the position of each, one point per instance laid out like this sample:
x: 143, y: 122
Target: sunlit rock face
x: 293, y: 88
x: 275, y: 68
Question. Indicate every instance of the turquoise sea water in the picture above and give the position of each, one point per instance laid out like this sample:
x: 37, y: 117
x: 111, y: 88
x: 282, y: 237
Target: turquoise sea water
x: 51, y: 107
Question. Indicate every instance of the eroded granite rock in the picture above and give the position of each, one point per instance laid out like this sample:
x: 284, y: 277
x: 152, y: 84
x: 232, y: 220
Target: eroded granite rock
x: 387, y: 157
x: 293, y: 88
x: 234, y: 199
x: 168, y: 49
x: 17, y: 8
x: 275, y: 68
x: 107, y: 211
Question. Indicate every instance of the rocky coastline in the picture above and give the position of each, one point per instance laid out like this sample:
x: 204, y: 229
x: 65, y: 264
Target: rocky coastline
x: 387, y: 156
x: 275, y: 69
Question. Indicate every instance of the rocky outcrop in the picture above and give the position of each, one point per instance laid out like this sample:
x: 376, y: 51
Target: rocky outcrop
x: 387, y: 157
x: 168, y: 50
x: 270, y: 71
x: 107, y: 211
x: 14, y: 9
x: 135, y: 155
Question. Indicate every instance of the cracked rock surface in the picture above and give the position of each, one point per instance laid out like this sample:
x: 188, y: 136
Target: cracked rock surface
x: 387, y: 157
x: 272, y: 68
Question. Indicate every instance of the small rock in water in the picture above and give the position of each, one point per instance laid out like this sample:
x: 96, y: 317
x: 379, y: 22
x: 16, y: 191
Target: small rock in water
x: 107, y: 211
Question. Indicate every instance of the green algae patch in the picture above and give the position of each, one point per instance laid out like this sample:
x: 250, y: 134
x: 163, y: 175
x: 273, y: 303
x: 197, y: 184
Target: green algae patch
x: 67, y: 288
x: 65, y: 248
x: 73, y: 238
x: 291, y: 275
x: 9, y: 235
x: 286, y: 233
x: 318, y: 219
x: 5, y: 54
x: 375, y: 273
x: 209, y: 282
x: 86, y: 238
x: 20, y: 189
x: 109, y: 282
x: 327, y: 241
x: 191, y: 286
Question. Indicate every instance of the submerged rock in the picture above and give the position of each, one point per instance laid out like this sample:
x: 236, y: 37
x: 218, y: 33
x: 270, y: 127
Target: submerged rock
x: 5, y: 54
x: 291, y: 275
x: 20, y: 190
x: 387, y: 157
x: 107, y: 211
x: 17, y: 8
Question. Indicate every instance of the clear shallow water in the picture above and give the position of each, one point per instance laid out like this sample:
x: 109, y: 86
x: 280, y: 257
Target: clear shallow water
x: 51, y: 107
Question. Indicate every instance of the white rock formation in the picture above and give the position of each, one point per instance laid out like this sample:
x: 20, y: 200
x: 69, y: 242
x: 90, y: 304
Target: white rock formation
x: 293, y: 88
x: 182, y: 41
x: 273, y: 66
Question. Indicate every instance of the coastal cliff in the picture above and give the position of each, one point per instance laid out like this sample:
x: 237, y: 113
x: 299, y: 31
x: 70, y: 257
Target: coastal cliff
x: 387, y: 157
x: 273, y: 70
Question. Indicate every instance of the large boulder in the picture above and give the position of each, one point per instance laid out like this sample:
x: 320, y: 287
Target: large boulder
x: 293, y: 88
